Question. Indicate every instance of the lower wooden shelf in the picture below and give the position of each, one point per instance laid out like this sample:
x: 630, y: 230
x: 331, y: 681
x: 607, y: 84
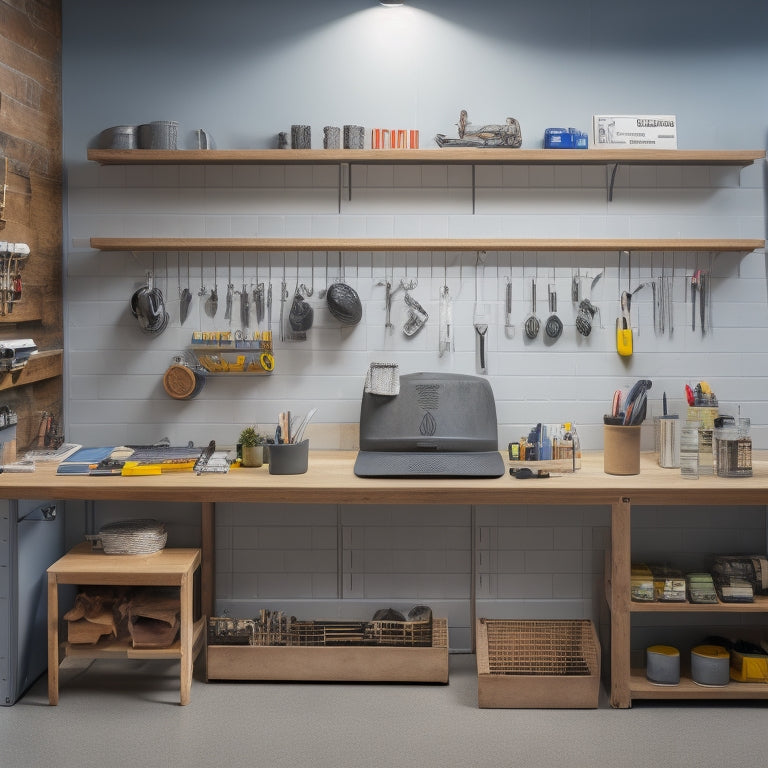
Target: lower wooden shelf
x: 351, y: 663
x: 110, y: 648
x: 641, y: 688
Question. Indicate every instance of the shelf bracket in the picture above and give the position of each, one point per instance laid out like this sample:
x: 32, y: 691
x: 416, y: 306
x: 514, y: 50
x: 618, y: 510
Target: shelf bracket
x: 474, y: 189
x: 344, y: 167
x: 612, y: 180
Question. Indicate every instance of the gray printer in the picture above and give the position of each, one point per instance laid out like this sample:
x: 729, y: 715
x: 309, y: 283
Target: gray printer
x: 437, y: 425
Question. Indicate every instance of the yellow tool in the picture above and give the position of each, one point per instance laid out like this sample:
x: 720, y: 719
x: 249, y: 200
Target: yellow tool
x: 267, y: 361
x: 624, y: 327
x: 623, y: 338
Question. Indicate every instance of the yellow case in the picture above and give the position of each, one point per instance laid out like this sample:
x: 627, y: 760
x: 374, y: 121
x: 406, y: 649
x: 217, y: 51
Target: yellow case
x: 749, y: 667
x: 624, y: 341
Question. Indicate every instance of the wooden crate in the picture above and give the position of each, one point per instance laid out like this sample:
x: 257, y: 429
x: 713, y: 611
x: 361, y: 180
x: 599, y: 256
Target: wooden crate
x: 346, y: 663
x: 523, y: 664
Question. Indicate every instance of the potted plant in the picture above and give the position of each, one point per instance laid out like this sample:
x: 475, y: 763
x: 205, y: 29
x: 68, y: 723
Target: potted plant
x: 252, y: 447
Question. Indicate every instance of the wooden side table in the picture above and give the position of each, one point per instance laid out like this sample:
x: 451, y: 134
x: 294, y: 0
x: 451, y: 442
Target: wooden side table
x: 168, y: 567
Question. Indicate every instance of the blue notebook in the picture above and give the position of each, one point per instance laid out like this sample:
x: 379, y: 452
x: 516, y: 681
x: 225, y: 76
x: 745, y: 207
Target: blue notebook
x: 81, y: 461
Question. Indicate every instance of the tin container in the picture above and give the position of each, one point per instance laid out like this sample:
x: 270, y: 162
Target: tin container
x: 160, y: 134
x: 710, y: 665
x: 119, y: 137
x: 663, y: 665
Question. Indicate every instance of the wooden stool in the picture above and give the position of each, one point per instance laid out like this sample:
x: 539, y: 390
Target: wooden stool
x: 166, y: 568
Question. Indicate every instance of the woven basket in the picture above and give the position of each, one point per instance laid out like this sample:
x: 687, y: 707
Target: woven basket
x: 130, y: 537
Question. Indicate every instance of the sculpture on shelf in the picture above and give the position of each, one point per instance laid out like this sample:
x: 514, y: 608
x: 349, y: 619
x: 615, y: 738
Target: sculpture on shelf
x: 492, y: 135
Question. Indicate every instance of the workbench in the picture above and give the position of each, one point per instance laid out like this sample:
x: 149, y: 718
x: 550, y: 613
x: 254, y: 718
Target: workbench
x: 330, y: 479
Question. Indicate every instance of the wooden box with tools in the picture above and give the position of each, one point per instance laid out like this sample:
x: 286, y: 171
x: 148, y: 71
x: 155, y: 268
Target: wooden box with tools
x: 533, y: 664
x: 331, y: 652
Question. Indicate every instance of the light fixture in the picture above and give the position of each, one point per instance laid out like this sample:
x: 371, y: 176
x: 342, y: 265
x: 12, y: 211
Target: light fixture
x: 389, y: 5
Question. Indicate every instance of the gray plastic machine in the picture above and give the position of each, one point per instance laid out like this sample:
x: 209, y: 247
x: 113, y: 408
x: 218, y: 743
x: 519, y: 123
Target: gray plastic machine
x: 31, y: 539
x: 437, y: 425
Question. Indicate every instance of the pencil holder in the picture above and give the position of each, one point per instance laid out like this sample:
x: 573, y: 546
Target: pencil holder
x: 289, y: 458
x: 621, y: 450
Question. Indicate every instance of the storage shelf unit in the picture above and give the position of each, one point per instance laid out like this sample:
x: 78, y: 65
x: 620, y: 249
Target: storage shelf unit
x: 626, y: 684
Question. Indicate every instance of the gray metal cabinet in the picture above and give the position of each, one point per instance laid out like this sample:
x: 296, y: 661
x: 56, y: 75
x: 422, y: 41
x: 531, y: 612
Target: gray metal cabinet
x: 31, y: 539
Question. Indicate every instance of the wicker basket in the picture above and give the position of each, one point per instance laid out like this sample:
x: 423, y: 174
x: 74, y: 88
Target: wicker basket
x: 538, y: 664
x: 130, y: 537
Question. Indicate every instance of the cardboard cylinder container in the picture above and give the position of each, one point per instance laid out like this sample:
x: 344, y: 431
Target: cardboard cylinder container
x: 621, y: 450
x: 663, y: 664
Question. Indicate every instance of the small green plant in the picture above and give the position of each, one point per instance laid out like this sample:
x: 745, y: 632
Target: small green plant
x: 250, y: 436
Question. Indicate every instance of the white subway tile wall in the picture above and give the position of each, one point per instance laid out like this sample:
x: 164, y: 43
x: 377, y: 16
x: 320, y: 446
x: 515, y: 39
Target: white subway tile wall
x: 527, y: 562
x: 114, y: 370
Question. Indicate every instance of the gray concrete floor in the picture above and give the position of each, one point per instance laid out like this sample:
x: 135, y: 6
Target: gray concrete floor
x: 120, y: 713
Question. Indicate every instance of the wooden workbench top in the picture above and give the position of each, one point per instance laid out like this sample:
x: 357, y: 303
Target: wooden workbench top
x: 331, y: 479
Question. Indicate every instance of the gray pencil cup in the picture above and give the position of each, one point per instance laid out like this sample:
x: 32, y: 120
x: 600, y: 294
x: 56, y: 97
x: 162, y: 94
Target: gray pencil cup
x: 289, y: 458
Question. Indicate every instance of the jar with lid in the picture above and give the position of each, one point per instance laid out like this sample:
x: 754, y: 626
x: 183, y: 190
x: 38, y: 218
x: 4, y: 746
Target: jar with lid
x: 732, y: 447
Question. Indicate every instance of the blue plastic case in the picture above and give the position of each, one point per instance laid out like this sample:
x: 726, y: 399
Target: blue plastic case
x: 565, y: 138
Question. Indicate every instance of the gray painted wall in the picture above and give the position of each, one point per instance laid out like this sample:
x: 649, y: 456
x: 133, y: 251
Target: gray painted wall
x: 244, y: 72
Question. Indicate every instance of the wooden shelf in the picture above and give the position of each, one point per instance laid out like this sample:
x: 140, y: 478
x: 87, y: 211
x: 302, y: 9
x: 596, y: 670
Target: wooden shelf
x: 759, y: 606
x: 417, y: 244
x: 27, y: 310
x: 109, y: 648
x: 468, y: 156
x: 642, y: 688
x: 40, y: 366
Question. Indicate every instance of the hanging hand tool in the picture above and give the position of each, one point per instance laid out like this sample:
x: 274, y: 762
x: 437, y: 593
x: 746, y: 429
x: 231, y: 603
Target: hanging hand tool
x: 554, y: 325
x: 480, y: 320
x: 445, y: 333
x: 269, y: 308
x: 509, y: 328
x: 283, y: 299
x: 694, y: 289
x: 532, y: 323
x: 258, y: 302
x: 703, y: 296
x: 245, y: 308
x: 185, y: 295
x: 212, y: 304
x: 387, y: 284
x: 417, y: 316
x: 624, y: 327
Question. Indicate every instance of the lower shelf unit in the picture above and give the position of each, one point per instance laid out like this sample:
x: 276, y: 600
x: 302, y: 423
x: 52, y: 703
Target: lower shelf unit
x: 333, y: 664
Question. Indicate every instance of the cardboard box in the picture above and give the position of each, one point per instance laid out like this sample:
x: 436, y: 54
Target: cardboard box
x: 634, y: 132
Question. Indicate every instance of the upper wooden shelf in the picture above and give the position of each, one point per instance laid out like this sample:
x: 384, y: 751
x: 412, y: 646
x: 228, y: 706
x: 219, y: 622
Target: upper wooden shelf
x: 415, y: 244
x: 467, y: 156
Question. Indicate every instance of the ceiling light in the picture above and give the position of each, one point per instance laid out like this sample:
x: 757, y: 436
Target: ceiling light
x: 389, y: 4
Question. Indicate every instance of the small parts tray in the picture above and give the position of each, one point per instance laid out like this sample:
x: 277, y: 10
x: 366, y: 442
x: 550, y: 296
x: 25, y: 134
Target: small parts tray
x: 396, y: 655
x: 224, y: 352
x: 276, y: 629
x: 537, y: 664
